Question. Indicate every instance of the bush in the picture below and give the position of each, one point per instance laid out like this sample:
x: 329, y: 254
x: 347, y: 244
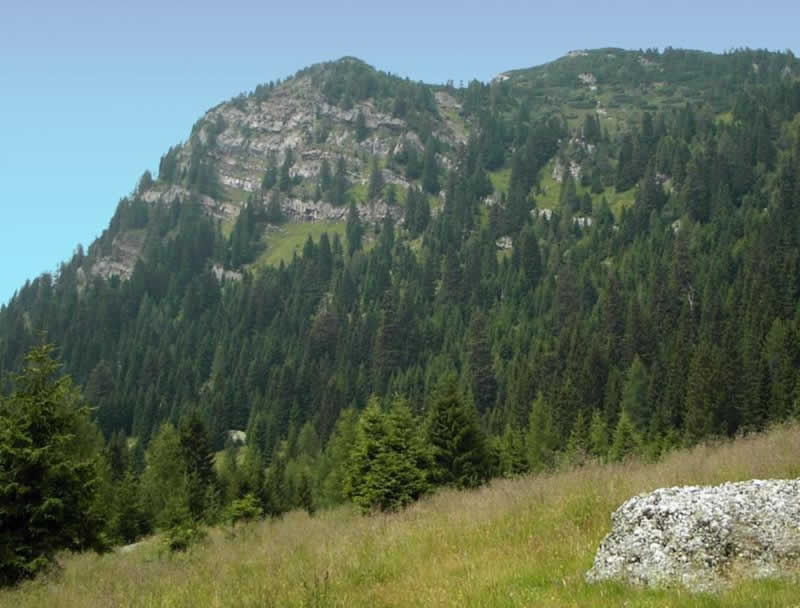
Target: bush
x: 181, y: 536
x: 244, y: 509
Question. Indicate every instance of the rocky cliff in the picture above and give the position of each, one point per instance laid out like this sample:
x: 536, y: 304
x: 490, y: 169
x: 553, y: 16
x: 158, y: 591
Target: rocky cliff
x: 237, y: 142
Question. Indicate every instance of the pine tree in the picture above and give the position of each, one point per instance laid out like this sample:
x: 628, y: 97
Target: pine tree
x: 163, y: 483
x: 598, y: 436
x: 402, y: 464
x: 578, y: 441
x: 457, y: 442
x: 568, y: 198
x: 270, y: 179
x: 275, y: 492
x: 339, y: 186
x: 375, y: 187
x: 700, y: 390
x: 410, y: 217
x: 423, y: 212
x: 542, y: 436
x: 129, y: 521
x: 333, y: 468
x: 285, y: 178
x: 274, y: 213
x: 484, y: 382
x: 626, y: 440
x: 413, y: 165
x: 354, y: 231
x: 198, y: 459
x: 305, y: 493
x: 634, y: 394
x: 118, y: 455
x: 530, y: 258
x: 325, y: 176
x: 48, y: 471
x: 430, y: 168
x: 363, y: 483
x: 361, y: 127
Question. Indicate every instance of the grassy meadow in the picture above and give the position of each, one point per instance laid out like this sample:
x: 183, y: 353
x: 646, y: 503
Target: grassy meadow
x: 520, y: 542
x: 289, y: 238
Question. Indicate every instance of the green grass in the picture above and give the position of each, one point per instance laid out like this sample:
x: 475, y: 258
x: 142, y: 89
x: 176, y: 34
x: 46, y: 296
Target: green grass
x: 235, y: 195
x: 357, y: 193
x: 283, y: 242
x: 724, y: 117
x: 227, y: 226
x: 500, y: 179
x: 551, y: 189
x: 618, y: 200
x: 521, y: 542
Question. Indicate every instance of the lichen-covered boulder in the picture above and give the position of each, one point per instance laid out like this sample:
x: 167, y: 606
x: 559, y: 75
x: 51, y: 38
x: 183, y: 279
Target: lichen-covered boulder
x: 702, y: 537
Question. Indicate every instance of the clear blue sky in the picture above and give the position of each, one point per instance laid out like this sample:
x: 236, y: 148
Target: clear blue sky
x: 93, y: 92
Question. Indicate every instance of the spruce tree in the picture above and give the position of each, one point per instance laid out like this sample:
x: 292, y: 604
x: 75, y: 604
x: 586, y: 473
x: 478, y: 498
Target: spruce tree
x: 458, y: 445
x: 364, y: 479
x: 402, y: 464
x: 484, y: 382
x: 430, y: 168
x: 542, y: 436
x: 198, y: 459
x: 164, y: 485
x: 340, y: 184
x: 626, y: 441
x: 598, y: 436
x: 375, y: 187
x: 634, y: 394
x: 274, y: 213
x: 48, y: 471
x: 361, y: 126
x: 354, y: 231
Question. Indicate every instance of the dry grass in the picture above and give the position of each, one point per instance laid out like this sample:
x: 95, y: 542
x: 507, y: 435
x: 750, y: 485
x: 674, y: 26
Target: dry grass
x: 524, y: 542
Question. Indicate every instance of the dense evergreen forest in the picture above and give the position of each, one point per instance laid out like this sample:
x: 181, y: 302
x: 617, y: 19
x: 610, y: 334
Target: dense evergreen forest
x: 485, y: 334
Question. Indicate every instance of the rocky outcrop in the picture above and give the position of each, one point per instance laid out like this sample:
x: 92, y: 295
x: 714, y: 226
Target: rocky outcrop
x: 296, y: 115
x: 703, y: 537
x: 558, y: 171
x: 223, y: 274
x: 125, y: 250
x: 241, y: 138
x: 305, y: 211
x: 166, y: 196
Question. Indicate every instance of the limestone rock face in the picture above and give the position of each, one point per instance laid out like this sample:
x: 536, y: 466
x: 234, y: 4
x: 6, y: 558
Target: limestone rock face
x: 306, y: 211
x: 292, y: 117
x: 125, y: 250
x: 703, y: 537
x: 239, y: 139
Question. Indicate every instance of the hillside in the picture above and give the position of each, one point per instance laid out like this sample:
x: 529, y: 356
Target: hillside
x: 518, y: 542
x: 313, y: 137
x: 348, y: 287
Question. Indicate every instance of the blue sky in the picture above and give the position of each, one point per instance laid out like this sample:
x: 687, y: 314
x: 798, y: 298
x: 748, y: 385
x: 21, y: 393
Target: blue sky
x: 92, y: 93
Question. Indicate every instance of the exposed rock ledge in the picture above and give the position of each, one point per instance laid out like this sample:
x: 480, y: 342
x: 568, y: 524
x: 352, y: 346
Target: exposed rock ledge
x: 703, y: 537
x: 304, y: 211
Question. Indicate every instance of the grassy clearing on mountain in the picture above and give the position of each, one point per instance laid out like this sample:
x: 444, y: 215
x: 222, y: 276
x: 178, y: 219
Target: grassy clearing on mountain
x: 521, y: 542
x: 284, y: 241
x: 500, y: 179
x: 550, y: 191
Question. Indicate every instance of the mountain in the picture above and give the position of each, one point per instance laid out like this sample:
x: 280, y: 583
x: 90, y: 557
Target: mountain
x: 283, y: 134
x: 592, y: 257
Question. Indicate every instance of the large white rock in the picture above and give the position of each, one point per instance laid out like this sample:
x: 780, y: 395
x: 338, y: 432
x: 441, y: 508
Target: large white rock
x: 703, y: 537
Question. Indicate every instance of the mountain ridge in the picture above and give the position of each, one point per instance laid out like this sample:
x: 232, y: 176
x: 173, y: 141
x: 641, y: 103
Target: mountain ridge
x: 234, y: 142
